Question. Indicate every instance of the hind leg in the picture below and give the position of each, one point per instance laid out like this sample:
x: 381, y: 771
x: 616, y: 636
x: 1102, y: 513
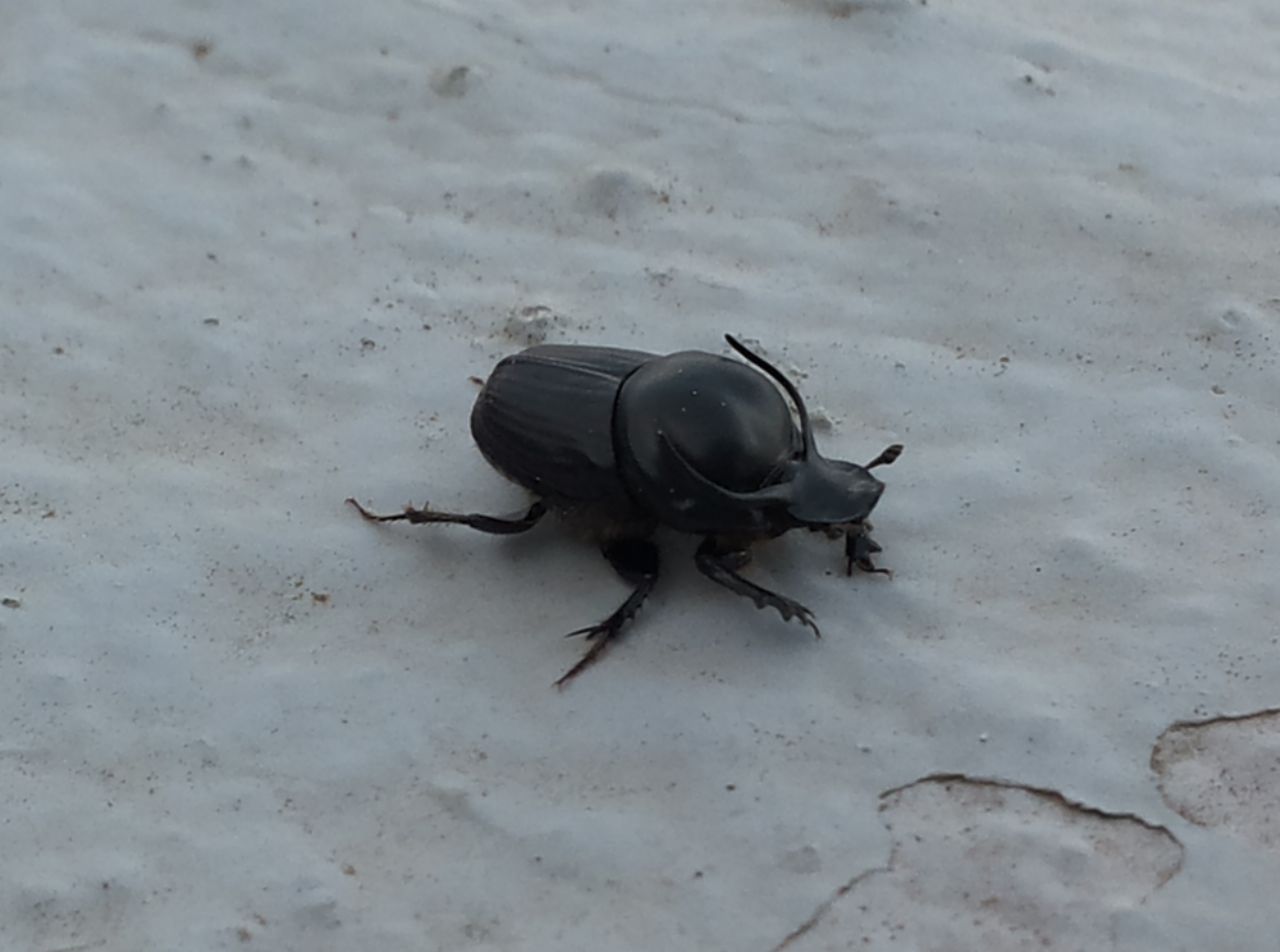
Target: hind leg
x: 498, y: 525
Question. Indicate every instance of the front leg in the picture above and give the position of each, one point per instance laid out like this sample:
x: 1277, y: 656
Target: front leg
x: 858, y: 549
x: 719, y: 562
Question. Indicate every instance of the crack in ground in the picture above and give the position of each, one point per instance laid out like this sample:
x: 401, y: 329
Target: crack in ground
x: 1210, y: 722
x: 1046, y: 792
x: 825, y: 907
x: 1230, y: 786
x: 1055, y: 797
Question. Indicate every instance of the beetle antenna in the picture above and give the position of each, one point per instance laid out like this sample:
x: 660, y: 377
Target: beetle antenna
x: 805, y: 432
x: 888, y: 456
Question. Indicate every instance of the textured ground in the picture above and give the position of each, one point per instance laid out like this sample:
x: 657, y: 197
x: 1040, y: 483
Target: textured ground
x: 249, y: 258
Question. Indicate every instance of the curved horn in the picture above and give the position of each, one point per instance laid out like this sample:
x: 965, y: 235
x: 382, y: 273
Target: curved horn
x: 805, y: 432
x: 778, y: 493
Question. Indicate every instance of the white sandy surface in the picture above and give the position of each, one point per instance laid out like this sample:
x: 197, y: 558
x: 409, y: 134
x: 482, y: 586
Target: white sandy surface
x: 250, y: 255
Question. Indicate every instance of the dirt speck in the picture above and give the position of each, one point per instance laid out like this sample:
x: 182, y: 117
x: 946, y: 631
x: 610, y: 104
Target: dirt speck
x: 453, y: 83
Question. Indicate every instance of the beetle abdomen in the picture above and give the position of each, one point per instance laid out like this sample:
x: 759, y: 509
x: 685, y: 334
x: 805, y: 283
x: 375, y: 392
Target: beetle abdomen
x: 545, y: 420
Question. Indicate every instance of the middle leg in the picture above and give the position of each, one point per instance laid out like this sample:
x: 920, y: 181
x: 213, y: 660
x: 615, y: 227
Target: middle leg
x: 720, y: 564
x: 636, y: 560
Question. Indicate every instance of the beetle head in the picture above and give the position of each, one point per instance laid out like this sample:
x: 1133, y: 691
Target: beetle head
x: 809, y: 489
x: 825, y: 492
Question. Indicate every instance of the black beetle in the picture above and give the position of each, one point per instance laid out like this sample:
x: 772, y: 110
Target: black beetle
x: 623, y: 441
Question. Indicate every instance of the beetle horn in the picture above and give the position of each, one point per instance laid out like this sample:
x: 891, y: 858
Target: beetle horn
x: 805, y: 432
x: 819, y: 492
x: 779, y: 493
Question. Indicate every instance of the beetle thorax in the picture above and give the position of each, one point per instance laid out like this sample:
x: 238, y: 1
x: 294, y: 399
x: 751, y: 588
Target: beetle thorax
x: 729, y: 424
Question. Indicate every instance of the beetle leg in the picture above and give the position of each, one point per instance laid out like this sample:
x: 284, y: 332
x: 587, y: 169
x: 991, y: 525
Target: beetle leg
x: 636, y: 560
x: 720, y: 566
x: 494, y: 524
x: 858, y: 549
x: 888, y: 456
